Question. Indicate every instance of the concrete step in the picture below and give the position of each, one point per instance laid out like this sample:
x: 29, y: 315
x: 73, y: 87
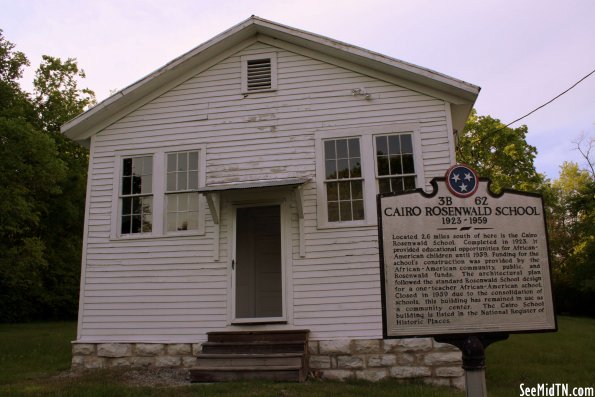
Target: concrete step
x: 299, y: 335
x: 254, y: 347
x: 249, y: 360
x: 226, y: 374
x: 280, y: 355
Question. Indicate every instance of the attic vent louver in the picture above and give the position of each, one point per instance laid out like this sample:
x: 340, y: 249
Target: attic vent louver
x: 259, y: 74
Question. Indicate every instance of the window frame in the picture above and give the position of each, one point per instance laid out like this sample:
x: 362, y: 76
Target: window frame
x: 417, y: 163
x: 159, y: 180
x: 131, y: 195
x: 338, y: 179
x: 367, y: 136
x: 244, y: 71
x: 201, y: 199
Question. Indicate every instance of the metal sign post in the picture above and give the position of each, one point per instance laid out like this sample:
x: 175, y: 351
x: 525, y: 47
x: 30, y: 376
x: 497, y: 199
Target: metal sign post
x: 473, y: 349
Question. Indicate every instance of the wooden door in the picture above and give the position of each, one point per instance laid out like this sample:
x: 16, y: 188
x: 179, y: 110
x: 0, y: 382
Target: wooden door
x: 258, y: 263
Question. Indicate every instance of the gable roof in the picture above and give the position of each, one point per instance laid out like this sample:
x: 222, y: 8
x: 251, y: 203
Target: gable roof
x: 461, y: 95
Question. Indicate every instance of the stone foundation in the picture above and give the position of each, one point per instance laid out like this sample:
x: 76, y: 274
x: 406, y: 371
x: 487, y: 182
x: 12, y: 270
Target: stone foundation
x: 134, y: 355
x: 373, y: 359
x: 370, y: 359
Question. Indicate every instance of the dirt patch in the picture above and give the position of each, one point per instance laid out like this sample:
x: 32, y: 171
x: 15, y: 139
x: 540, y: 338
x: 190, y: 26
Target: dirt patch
x: 145, y: 377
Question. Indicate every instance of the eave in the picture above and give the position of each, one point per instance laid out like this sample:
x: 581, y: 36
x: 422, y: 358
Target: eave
x: 460, y: 94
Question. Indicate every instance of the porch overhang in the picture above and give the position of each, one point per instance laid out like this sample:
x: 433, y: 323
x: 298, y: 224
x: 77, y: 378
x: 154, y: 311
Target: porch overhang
x: 212, y: 194
x: 223, y: 187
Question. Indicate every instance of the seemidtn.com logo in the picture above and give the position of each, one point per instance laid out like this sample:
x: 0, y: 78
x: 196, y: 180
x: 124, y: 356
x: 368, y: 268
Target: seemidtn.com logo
x: 555, y: 390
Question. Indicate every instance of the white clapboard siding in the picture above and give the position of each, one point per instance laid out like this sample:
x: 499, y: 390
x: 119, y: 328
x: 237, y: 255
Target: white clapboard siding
x: 171, y: 289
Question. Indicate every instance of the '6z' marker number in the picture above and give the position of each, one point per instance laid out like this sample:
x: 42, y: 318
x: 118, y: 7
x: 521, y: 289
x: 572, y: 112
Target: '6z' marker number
x: 481, y: 200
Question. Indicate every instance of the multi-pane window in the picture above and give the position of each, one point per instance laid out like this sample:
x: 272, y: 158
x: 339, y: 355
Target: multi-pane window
x: 394, y: 163
x: 343, y: 180
x: 181, y: 186
x: 136, y: 196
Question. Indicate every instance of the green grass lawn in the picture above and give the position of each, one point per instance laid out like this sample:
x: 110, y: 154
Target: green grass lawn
x: 32, y: 357
x: 567, y: 356
x: 30, y: 351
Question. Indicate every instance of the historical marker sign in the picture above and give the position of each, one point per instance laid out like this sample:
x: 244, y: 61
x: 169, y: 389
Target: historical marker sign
x: 463, y: 260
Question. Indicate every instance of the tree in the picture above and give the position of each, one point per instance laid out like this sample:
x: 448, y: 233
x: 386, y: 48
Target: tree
x: 13, y: 101
x: 11, y: 62
x: 503, y: 155
x: 571, y: 221
x: 499, y: 153
x: 42, y: 179
x: 57, y: 99
x: 29, y: 173
x: 584, y: 145
x: 57, y: 95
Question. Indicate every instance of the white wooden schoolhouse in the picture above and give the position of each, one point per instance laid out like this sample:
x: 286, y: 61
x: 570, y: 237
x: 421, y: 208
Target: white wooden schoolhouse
x: 231, y: 208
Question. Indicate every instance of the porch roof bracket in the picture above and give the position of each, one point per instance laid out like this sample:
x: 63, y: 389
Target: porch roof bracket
x: 299, y: 203
x: 213, y: 200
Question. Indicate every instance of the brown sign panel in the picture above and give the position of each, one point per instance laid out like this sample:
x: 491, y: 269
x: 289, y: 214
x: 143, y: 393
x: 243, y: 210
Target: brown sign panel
x: 469, y: 261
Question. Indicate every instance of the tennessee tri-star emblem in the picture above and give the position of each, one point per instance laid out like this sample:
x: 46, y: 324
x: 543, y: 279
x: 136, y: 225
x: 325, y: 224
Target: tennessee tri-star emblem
x: 461, y: 180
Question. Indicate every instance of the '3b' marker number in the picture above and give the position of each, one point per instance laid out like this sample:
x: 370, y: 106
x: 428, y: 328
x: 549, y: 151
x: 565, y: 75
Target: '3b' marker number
x: 444, y: 200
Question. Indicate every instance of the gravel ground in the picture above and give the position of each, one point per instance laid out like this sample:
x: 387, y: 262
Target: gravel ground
x: 158, y: 377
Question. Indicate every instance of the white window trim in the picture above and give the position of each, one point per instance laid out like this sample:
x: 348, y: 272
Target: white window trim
x: 417, y: 158
x: 159, y: 183
x: 366, y: 135
x: 244, y: 66
x: 201, y: 183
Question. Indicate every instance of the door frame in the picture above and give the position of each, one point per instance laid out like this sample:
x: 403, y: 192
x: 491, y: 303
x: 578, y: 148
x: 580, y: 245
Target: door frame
x: 233, y: 319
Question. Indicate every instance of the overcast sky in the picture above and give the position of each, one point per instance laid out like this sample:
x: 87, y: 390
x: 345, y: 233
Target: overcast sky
x: 521, y: 53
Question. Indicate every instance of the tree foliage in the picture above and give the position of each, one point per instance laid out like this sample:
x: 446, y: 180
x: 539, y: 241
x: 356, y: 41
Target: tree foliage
x: 57, y: 99
x: 42, y: 174
x: 571, y: 221
x: 13, y: 102
x: 57, y: 96
x: 11, y: 62
x: 503, y: 155
x: 30, y: 172
x: 499, y: 153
